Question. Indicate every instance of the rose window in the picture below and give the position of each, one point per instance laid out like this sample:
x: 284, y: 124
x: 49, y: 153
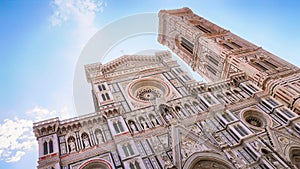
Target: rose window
x: 148, y: 89
x: 148, y: 94
x: 255, y: 119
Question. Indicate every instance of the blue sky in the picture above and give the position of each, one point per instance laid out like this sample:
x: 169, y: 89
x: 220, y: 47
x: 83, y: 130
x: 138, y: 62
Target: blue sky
x: 41, y: 42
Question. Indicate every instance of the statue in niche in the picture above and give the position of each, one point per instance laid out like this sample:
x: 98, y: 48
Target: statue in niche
x: 196, y: 130
x: 72, y: 145
x: 133, y: 127
x: 169, y: 117
x: 99, y: 137
x: 143, y: 124
x: 167, y: 162
x: 85, y: 139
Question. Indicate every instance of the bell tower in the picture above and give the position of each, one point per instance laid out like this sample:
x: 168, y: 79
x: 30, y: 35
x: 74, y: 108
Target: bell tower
x: 217, y: 54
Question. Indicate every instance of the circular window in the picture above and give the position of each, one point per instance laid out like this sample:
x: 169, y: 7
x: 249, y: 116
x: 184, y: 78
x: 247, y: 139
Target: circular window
x: 148, y: 89
x: 255, y: 119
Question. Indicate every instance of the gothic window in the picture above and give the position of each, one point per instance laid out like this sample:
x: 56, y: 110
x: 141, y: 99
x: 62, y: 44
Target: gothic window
x: 211, y: 70
x: 241, y: 130
x: 236, y: 45
x: 131, y: 166
x: 116, y: 127
x: 179, y: 70
x: 186, y: 78
x: 130, y: 149
x: 188, y: 108
x: 229, y: 96
x: 137, y: 165
x: 100, y: 87
x: 187, y: 45
x: 209, y: 99
x: 127, y: 149
x: 203, y: 29
x: 120, y: 126
x: 259, y: 66
x: 272, y: 102
x: 227, y: 46
x: 269, y: 64
x: 221, y: 98
x: 103, y: 97
x: 107, y: 96
x: 237, y: 93
x: 50, y: 146
x: 154, y: 120
x: 212, y: 60
x: 288, y: 113
x: 197, y: 106
x: 250, y: 86
x: 45, y: 148
x: 103, y: 87
x: 227, y: 117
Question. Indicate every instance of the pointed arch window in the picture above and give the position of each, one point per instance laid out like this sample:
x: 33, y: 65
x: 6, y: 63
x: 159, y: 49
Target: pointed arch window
x: 116, y: 127
x: 103, y: 97
x: 187, y: 45
x: 125, y: 150
x: 107, y: 96
x: 45, y: 148
x: 213, y: 60
x: 131, y: 166
x: 103, y: 87
x: 130, y: 149
x: 137, y: 165
x: 212, y: 70
x: 50, y: 146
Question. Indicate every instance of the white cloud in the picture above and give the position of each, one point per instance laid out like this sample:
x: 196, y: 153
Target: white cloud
x: 39, y: 113
x: 80, y: 11
x: 16, y: 157
x: 16, y: 135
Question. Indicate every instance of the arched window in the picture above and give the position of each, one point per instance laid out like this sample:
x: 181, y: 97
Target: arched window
x: 125, y: 150
x: 103, y: 87
x: 137, y: 165
x: 188, y: 46
x: 45, y: 148
x: 131, y: 166
x: 100, y: 88
x: 103, y: 97
x: 116, y: 127
x: 120, y: 126
x: 50, y: 146
x: 188, y: 108
x: 130, y: 149
x: 107, y: 96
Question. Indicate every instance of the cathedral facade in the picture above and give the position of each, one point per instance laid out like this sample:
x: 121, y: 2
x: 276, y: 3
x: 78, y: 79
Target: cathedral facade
x: 151, y: 114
